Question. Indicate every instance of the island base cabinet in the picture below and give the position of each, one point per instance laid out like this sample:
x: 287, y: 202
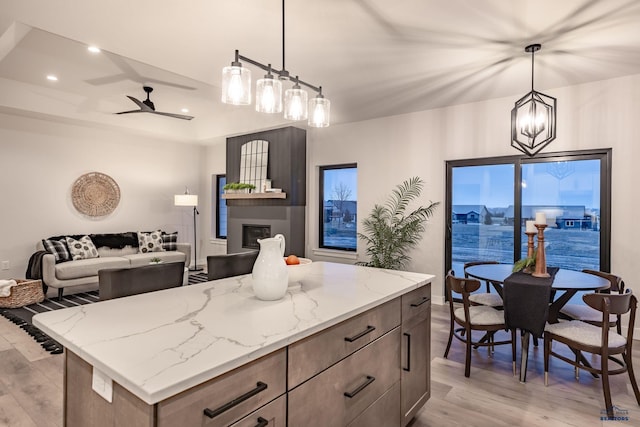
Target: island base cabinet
x: 273, y: 414
x: 416, y: 352
x: 339, y: 394
x: 383, y: 412
x: 83, y: 407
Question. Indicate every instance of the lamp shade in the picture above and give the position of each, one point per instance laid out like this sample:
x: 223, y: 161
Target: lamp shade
x: 268, y: 95
x: 236, y: 85
x: 185, y: 200
x: 319, y: 111
x: 295, y: 103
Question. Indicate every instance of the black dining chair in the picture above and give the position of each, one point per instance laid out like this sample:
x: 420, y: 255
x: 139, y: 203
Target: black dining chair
x: 471, y: 318
x: 122, y: 282
x: 591, y: 315
x: 228, y: 265
x: 599, y: 340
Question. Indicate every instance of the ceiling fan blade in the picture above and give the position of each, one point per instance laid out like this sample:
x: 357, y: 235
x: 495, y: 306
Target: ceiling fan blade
x: 175, y: 116
x: 142, y: 105
x: 131, y: 111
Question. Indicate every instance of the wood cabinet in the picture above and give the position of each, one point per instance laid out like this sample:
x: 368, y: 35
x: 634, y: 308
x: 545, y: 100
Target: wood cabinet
x: 416, y: 352
x: 371, y: 369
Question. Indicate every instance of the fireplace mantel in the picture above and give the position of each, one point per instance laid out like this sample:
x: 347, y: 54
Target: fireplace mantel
x: 249, y: 196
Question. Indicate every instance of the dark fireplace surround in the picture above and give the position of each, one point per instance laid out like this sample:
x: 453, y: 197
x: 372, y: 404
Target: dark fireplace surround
x: 252, y: 219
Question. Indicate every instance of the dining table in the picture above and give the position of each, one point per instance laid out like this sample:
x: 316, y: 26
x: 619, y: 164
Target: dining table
x: 566, y: 284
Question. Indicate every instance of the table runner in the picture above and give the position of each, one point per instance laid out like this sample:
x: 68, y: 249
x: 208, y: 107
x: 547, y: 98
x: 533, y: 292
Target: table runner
x: 526, y: 301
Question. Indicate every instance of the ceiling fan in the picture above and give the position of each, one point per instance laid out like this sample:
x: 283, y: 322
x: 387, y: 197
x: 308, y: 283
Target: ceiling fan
x: 147, y: 106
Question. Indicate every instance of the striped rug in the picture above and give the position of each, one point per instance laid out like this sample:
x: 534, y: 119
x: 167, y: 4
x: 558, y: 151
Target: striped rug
x: 23, y: 316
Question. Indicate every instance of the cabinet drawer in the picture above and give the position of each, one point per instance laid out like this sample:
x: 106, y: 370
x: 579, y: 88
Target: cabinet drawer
x: 416, y: 303
x: 245, y: 384
x: 384, y: 412
x: 338, y: 395
x: 317, y: 352
x: 272, y: 414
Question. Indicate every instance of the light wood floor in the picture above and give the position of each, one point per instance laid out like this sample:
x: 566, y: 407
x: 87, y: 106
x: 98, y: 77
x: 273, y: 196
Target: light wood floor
x: 31, y: 387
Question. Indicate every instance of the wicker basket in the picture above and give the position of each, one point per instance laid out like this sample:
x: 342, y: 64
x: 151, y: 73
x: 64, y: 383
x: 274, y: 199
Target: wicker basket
x: 24, y: 293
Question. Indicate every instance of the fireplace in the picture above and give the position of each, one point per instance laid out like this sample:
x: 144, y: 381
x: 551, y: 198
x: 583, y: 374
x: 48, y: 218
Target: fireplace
x: 252, y: 232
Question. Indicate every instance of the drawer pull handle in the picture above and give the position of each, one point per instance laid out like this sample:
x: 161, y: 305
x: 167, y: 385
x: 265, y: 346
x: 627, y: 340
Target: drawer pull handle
x: 262, y: 422
x: 361, y: 387
x: 408, y: 368
x: 260, y: 386
x: 361, y: 334
x: 422, y: 301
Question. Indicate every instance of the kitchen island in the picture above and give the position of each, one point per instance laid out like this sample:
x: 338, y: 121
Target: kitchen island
x: 187, y: 354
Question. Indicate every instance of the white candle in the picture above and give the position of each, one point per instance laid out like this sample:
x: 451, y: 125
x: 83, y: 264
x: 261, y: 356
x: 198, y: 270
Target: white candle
x: 530, y: 227
x: 541, y: 218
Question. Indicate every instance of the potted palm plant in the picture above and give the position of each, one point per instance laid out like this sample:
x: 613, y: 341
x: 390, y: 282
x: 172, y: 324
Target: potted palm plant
x: 390, y: 232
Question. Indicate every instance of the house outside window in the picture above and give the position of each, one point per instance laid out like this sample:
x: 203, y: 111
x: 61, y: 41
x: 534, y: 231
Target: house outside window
x: 221, y: 208
x: 339, y: 202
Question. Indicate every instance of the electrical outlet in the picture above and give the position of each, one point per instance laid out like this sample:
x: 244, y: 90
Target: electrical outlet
x: 5, y: 265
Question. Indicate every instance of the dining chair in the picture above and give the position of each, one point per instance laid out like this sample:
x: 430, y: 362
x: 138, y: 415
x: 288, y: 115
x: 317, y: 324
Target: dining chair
x: 591, y: 315
x: 600, y: 340
x: 122, y: 282
x: 473, y: 318
x: 483, y: 298
x: 227, y: 265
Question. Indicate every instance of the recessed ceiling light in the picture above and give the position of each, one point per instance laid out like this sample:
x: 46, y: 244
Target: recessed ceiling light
x: 93, y: 49
x: 52, y: 78
x: 185, y: 110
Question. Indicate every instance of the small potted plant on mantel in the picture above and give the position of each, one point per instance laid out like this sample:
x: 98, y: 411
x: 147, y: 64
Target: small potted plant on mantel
x: 238, y: 187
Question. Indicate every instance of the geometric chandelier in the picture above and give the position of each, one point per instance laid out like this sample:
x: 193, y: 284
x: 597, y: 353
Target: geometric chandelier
x: 236, y: 90
x: 533, y: 118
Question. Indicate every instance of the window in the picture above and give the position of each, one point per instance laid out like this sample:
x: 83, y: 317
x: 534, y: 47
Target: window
x: 489, y: 201
x: 221, y: 208
x: 338, y: 202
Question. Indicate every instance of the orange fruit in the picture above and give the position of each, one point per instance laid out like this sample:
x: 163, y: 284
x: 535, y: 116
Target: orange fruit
x: 292, y: 260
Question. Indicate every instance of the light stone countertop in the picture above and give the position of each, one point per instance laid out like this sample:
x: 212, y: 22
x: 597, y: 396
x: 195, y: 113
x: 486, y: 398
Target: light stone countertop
x: 159, y: 344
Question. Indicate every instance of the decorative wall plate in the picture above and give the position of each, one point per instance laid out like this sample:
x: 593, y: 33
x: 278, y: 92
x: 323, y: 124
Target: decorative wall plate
x: 95, y: 194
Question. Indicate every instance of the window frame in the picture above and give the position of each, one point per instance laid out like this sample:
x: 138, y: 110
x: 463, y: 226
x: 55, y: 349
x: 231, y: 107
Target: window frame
x: 604, y: 155
x: 219, y: 201
x: 321, y: 170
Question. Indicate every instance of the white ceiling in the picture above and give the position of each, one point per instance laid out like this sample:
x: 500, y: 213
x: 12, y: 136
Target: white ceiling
x: 373, y: 58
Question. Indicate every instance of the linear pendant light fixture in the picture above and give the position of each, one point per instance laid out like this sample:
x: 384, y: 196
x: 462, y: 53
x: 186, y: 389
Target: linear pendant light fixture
x: 533, y: 118
x: 236, y: 90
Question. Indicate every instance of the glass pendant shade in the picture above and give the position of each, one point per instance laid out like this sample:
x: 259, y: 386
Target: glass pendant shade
x: 320, y: 109
x: 269, y: 95
x: 295, y: 104
x: 236, y: 85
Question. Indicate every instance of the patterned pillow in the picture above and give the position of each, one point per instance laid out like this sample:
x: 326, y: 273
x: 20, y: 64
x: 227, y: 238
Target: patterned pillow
x: 58, y: 248
x: 82, y: 248
x: 169, y: 241
x: 150, y: 242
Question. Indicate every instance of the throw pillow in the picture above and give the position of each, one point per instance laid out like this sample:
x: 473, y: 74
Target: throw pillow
x: 170, y: 241
x: 58, y: 248
x: 82, y: 248
x: 150, y: 242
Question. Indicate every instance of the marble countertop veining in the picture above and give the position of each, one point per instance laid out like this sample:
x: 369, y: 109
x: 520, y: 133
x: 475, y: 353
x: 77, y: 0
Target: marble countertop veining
x: 159, y: 344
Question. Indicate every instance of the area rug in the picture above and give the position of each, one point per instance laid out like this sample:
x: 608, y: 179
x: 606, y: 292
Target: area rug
x: 23, y: 316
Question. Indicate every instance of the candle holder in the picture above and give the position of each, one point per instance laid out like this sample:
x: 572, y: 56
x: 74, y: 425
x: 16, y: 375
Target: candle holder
x: 541, y: 260
x: 530, y: 249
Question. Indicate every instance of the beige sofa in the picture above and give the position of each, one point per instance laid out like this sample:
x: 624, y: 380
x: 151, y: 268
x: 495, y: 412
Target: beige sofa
x: 85, y: 271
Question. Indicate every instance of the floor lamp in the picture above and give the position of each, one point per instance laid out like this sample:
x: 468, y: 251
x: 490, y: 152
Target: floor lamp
x: 187, y: 199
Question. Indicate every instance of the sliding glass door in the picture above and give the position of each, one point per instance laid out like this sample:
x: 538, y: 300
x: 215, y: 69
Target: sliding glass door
x: 489, y: 201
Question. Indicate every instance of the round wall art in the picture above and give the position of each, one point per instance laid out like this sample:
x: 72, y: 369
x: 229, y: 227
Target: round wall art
x: 95, y: 194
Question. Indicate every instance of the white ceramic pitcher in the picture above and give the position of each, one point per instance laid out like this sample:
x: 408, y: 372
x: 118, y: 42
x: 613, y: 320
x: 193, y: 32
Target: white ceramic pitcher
x: 270, y: 275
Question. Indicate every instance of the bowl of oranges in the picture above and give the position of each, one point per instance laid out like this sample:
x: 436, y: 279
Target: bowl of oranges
x: 297, y: 267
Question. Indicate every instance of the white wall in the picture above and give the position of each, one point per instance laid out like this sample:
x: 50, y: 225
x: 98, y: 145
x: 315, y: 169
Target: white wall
x: 41, y: 159
x: 389, y: 150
